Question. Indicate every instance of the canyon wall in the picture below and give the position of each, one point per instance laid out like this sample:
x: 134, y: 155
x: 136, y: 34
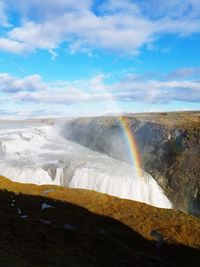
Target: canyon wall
x: 168, y: 143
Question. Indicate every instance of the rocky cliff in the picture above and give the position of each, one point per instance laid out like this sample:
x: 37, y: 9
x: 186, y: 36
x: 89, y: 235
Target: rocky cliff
x: 168, y: 143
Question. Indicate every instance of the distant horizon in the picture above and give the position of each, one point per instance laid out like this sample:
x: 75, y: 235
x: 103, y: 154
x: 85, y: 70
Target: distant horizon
x: 61, y: 58
x: 99, y: 115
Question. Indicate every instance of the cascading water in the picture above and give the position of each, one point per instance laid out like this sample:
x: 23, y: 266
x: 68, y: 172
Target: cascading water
x: 38, y: 154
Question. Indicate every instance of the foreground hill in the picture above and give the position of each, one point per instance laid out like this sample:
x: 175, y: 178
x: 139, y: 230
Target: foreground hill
x: 55, y: 226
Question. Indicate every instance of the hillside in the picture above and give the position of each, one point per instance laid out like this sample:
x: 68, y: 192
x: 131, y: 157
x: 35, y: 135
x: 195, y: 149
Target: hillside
x: 56, y: 226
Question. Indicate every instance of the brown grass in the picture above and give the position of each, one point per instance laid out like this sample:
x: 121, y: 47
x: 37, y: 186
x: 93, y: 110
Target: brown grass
x: 105, y: 231
x: 176, y: 227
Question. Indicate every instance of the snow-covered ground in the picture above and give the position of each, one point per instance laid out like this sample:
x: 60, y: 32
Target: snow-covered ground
x: 35, y: 152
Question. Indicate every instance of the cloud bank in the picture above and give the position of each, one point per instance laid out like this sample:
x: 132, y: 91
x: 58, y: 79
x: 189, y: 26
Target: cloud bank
x: 130, y: 88
x: 123, y: 26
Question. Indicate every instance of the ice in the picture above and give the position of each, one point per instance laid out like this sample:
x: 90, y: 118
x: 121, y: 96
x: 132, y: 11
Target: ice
x: 46, y: 206
x: 19, y: 211
x: 24, y: 216
x: 48, y: 191
x: 45, y: 221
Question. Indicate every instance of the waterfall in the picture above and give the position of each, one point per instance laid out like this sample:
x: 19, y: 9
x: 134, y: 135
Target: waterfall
x: 39, y: 155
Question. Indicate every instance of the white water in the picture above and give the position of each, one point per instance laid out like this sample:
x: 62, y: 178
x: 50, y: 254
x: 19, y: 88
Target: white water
x: 38, y: 154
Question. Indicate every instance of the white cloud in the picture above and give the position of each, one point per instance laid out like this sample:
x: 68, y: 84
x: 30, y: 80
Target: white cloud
x: 184, y: 73
x: 47, y: 9
x: 10, y: 45
x: 32, y: 89
x: 3, y: 18
x: 99, y: 32
x: 32, y: 97
x: 123, y: 26
x: 11, y: 85
x: 174, y: 9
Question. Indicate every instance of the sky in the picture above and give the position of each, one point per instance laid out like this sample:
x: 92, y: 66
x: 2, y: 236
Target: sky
x: 94, y: 57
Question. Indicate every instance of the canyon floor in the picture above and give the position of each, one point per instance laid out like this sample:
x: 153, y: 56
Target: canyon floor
x: 55, y: 226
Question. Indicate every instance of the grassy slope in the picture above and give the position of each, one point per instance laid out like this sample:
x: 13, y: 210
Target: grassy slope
x: 108, y: 231
x: 183, y: 119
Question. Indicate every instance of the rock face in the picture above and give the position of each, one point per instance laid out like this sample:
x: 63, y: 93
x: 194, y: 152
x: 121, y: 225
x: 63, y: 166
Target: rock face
x: 168, y: 143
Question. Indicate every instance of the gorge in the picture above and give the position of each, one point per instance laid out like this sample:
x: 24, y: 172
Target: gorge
x: 93, y: 153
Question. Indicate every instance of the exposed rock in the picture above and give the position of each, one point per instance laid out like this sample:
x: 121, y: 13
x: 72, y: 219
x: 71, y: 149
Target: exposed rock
x: 168, y: 143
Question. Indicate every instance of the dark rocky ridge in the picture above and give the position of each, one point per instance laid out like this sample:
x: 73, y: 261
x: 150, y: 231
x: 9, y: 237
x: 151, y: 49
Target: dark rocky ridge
x: 169, y: 146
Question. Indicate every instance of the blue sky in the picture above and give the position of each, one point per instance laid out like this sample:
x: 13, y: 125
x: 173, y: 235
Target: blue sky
x: 87, y: 57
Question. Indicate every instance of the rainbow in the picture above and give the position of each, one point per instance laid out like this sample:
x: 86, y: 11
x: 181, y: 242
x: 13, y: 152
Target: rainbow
x: 132, y: 145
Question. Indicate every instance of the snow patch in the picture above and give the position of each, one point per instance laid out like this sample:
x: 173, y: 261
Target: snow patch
x: 24, y: 216
x: 19, y: 211
x: 45, y: 221
x: 47, y: 206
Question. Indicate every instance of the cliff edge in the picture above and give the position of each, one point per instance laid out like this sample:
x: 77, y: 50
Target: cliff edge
x: 168, y: 144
